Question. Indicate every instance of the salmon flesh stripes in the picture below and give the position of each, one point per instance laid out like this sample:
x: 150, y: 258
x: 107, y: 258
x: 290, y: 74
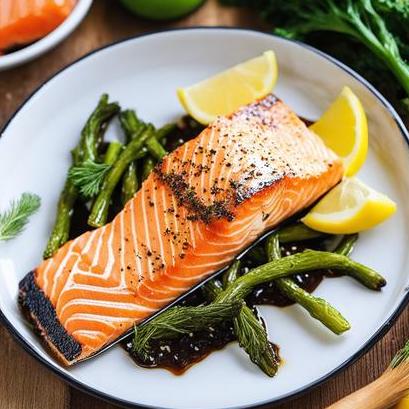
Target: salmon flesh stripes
x: 201, y: 206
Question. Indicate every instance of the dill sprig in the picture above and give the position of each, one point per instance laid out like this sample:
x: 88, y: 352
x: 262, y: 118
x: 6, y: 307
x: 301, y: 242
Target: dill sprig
x: 401, y: 356
x: 252, y: 337
x: 88, y: 177
x: 177, y: 321
x: 13, y: 220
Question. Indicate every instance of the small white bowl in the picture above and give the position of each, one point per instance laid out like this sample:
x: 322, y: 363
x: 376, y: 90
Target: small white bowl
x: 49, y: 41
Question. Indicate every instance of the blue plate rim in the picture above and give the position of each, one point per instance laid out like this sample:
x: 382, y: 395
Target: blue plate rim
x: 378, y: 335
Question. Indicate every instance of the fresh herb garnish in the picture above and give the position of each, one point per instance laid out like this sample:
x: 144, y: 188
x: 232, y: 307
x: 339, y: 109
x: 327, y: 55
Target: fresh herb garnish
x: 88, y: 177
x: 401, y: 356
x: 178, y: 321
x: 13, y: 220
x: 252, y: 337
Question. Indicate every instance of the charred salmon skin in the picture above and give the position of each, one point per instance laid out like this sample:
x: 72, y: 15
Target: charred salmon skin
x: 200, y: 207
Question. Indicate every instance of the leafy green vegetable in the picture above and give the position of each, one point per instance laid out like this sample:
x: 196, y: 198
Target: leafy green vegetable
x: 401, y: 356
x: 379, y: 25
x: 88, y: 177
x: 14, y: 220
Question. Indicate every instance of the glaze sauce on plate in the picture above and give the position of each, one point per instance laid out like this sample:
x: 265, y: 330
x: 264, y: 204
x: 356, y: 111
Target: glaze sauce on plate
x: 178, y: 355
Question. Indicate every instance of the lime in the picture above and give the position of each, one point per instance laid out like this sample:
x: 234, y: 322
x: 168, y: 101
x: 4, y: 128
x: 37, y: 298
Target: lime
x: 161, y: 9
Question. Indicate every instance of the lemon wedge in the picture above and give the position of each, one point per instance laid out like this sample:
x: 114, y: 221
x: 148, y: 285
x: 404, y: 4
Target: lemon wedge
x: 224, y: 93
x: 403, y: 404
x: 350, y: 207
x: 344, y: 128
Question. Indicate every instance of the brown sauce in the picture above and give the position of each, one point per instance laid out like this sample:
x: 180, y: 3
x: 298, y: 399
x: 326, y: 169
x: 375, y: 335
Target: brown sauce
x: 268, y: 294
x: 178, y: 355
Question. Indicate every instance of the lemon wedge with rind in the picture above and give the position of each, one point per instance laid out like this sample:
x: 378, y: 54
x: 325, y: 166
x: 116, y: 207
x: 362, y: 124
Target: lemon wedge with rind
x: 350, y: 207
x: 225, y: 92
x: 344, y: 128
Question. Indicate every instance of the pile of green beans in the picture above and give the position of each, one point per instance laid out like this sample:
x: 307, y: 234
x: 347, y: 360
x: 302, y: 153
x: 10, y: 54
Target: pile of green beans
x: 237, y: 283
x: 128, y: 165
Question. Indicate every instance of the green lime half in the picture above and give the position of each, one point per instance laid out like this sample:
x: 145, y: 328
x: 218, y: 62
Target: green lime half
x: 161, y: 9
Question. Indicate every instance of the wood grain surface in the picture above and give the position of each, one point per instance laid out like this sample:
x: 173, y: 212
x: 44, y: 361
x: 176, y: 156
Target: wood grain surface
x: 24, y: 383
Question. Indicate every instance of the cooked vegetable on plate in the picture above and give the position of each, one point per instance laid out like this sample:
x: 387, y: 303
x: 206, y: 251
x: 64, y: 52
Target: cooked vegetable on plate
x: 212, y: 213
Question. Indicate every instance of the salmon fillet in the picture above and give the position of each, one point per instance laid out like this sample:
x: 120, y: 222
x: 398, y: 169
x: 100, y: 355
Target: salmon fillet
x: 24, y: 21
x: 201, y: 206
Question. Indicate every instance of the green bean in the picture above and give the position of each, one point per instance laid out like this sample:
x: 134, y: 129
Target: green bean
x: 317, y: 307
x: 133, y: 128
x: 164, y: 131
x: 298, y: 232
x: 91, y: 135
x: 131, y: 124
x: 212, y: 289
x: 130, y: 183
x: 307, y: 261
x: 257, y: 254
x: 231, y: 274
x: 346, y: 245
x: 100, y: 207
x: 87, y: 149
x: 62, y: 224
x: 148, y: 165
x: 154, y: 147
x: 112, y: 153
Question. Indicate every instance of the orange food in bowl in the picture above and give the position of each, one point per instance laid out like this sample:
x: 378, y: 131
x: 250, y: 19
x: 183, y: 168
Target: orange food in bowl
x: 25, y: 21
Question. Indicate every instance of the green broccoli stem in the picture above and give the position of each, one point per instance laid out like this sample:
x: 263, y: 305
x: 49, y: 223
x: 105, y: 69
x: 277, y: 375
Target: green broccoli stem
x: 99, y: 211
x: 307, y: 261
x: 87, y: 149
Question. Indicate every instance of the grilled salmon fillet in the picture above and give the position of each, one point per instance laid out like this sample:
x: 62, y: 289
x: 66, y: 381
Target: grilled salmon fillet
x: 200, y: 207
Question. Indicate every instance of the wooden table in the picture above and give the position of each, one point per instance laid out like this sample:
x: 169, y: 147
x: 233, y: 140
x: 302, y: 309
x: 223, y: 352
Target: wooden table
x: 24, y: 383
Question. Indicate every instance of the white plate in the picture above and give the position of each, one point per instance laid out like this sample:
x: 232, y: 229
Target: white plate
x: 144, y: 73
x: 50, y: 40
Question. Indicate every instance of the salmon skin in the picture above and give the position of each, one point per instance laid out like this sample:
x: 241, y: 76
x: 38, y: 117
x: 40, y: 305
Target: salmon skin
x: 201, y: 206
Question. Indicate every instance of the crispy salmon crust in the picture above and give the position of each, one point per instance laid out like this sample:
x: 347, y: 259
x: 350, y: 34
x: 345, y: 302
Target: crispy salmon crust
x: 203, y: 204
